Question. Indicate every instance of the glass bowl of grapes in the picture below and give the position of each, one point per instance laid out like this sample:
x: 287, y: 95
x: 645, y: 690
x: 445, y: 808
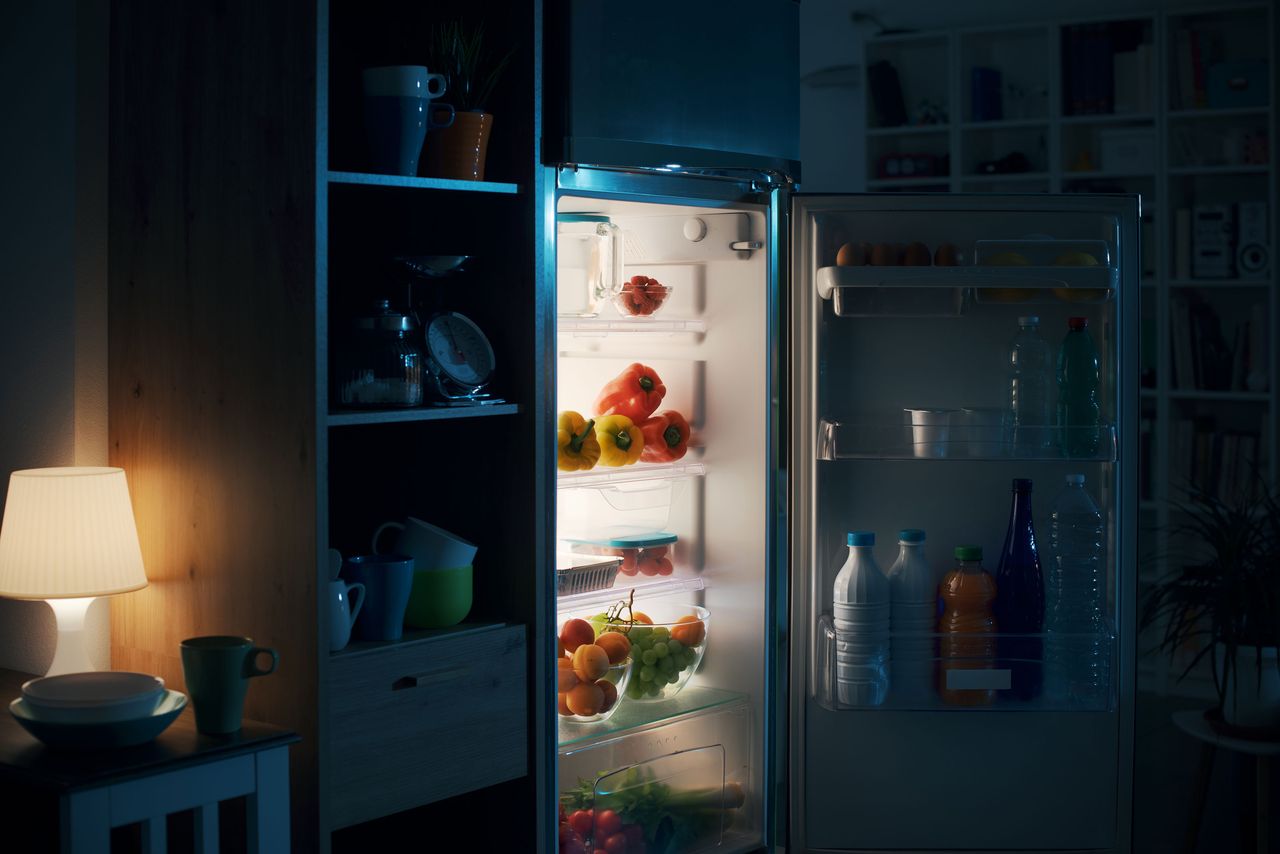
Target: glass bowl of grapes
x: 665, y: 645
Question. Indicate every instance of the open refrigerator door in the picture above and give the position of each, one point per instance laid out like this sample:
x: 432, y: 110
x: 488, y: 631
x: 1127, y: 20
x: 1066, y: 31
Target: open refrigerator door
x: 963, y: 673
x: 664, y: 397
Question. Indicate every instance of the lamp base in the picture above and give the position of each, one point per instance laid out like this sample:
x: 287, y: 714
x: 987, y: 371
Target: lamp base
x: 71, y: 655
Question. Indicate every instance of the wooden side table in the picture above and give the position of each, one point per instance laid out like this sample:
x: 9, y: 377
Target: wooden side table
x: 1193, y: 723
x: 181, y: 770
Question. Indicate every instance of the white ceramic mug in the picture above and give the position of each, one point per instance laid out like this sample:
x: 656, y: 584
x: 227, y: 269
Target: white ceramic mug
x: 429, y: 546
x: 345, y: 601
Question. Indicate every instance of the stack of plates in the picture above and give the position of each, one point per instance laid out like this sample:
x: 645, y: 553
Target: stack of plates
x: 97, y: 709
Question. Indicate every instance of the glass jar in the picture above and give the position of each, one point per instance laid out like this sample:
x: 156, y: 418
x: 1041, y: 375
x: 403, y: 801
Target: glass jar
x: 588, y: 263
x: 380, y: 364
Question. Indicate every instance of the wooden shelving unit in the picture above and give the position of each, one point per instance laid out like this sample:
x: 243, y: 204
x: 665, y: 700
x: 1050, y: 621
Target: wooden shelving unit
x: 1033, y: 56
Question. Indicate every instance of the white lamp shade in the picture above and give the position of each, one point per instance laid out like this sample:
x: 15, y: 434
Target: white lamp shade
x: 69, y: 532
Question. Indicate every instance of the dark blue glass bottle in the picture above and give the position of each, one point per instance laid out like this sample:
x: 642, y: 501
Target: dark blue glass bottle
x: 1020, y: 598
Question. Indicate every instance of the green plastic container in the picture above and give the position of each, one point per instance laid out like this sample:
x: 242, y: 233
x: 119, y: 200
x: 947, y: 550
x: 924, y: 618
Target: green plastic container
x: 439, y: 598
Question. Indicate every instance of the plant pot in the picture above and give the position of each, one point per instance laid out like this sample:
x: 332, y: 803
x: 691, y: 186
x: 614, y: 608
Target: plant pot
x: 459, y: 151
x: 1248, y: 704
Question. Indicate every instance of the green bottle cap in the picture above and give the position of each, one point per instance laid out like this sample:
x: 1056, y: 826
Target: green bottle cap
x: 968, y: 552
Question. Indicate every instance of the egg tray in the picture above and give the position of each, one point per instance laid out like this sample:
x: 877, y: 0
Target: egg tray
x: 585, y: 579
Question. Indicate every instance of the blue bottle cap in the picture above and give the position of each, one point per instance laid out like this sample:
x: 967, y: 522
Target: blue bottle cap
x: 862, y: 538
x: 911, y: 535
x: 1075, y: 479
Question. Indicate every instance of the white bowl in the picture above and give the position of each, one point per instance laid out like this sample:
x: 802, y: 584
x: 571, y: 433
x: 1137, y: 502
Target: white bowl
x: 94, y: 697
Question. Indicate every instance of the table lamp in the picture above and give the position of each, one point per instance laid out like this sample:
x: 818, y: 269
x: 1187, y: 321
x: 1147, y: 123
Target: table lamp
x: 68, y: 537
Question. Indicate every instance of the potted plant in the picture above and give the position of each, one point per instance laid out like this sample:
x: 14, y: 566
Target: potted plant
x: 471, y: 73
x: 1223, y: 601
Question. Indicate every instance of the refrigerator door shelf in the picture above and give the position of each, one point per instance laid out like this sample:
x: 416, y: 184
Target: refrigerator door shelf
x: 889, y: 437
x: 977, y: 670
x: 989, y: 284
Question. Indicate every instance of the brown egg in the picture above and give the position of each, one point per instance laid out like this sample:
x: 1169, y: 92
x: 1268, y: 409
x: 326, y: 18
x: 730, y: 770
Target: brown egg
x: 884, y: 255
x: 852, y: 255
x: 917, y: 255
x: 946, y: 255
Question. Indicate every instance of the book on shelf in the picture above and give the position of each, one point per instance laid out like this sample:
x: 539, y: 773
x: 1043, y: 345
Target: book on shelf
x: 1131, y: 79
x: 1182, y: 243
x: 1205, y: 358
x: 1224, y: 464
x: 1189, y: 70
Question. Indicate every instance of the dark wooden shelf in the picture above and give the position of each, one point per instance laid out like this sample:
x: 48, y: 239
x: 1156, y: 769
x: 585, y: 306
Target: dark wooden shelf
x: 400, y: 416
x: 416, y: 636
x: 375, y: 180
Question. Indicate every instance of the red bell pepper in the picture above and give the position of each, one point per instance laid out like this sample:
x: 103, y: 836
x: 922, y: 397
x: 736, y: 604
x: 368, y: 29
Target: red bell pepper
x: 635, y: 393
x: 666, y: 437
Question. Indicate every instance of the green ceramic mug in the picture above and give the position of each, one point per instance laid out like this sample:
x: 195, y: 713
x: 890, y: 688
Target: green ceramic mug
x: 217, y: 669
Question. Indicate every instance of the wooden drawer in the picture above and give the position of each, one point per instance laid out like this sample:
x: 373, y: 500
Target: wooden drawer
x: 415, y: 723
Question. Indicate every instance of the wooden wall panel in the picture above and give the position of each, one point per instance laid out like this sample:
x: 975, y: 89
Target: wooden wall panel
x: 211, y: 338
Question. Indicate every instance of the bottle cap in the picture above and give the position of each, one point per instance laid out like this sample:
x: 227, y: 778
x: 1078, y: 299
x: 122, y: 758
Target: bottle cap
x: 1021, y: 484
x: 862, y: 538
x: 968, y: 552
x: 1029, y: 320
x: 911, y: 535
x: 1075, y: 479
x: 1077, y: 323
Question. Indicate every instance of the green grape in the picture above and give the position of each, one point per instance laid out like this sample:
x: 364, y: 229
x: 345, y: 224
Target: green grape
x: 649, y: 656
x: 666, y: 665
x: 674, y: 646
x: 673, y: 678
x: 661, y: 650
x: 661, y: 633
x: 634, y: 690
x: 647, y: 673
x: 652, y: 689
x: 641, y: 635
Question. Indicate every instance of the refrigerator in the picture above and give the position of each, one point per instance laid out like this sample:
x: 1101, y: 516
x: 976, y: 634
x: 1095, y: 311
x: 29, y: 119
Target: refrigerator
x: 797, y: 377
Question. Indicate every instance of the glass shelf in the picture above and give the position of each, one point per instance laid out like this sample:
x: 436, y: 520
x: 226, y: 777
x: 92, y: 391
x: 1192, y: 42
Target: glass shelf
x: 600, y: 327
x: 633, y: 716
x: 884, y: 438
x: 1003, y: 284
x: 621, y: 589
x: 634, y: 473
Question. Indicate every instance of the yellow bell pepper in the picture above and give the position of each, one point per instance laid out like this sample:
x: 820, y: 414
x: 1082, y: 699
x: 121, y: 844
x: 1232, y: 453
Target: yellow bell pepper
x: 578, y: 448
x: 620, y: 440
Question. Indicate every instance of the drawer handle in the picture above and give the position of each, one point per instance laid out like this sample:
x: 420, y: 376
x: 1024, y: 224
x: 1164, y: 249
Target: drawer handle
x: 418, y: 680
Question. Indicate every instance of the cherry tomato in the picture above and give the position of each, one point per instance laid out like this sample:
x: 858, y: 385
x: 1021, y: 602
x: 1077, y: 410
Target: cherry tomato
x: 581, y: 822
x: 616, y: 844
x: 573, y: 846
x: 608, y: 823
x: 665, y: 567
x: 566, y: 832
x: 635, y: 837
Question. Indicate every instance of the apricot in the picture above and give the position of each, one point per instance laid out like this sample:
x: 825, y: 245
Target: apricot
x: 610, y: 692
x: 575, y: 633
x: 689, y: 630
x: 559, y: 648
x: 562, y: 705
x: 565, y: 677
x: 615, y: 645
x: 641, y: 617
x: 590, y: 662
x: 585, y: 699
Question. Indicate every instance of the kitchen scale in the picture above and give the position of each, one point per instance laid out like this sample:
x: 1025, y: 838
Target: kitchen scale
x: 460, y: 361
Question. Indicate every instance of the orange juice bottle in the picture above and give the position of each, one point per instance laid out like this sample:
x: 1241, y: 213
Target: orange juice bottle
x: 967, y: 593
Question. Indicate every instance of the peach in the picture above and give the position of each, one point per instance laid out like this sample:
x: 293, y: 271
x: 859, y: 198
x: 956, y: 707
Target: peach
x: 689, y: 631
x: 615, y: 645
x: 590, y: 662
x: 575, y: 633
x: 585, y: 699
x: 610, y: 692
x: 565, y: 677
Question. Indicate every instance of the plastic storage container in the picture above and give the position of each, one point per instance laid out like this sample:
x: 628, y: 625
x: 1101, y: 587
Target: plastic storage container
x: 702, y: 762
x: 640, y: 555
x: 588, y: 263
x: 622, y: 509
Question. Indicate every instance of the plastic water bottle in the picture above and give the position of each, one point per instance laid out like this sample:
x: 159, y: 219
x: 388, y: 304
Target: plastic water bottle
x: 1030, y: 381
x: 1077, y: 660
x: 861, y: 618
x: 1079, y: 414
x: 1020, y: 598
x: 913, y: 594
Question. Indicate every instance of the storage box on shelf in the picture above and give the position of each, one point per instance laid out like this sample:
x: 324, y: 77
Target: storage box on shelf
x: 702, y: 757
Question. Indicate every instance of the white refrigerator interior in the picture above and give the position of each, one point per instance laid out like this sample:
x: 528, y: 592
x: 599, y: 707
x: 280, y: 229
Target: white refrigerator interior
x: 973, y: 758
x: 707, y: 343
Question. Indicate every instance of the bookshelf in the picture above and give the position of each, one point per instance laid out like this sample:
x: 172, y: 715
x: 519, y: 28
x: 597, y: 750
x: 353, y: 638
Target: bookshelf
x: 1168, y: 120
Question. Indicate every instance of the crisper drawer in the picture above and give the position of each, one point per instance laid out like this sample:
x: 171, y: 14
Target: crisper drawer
x: 685, y: 784
x: 418, y: 722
